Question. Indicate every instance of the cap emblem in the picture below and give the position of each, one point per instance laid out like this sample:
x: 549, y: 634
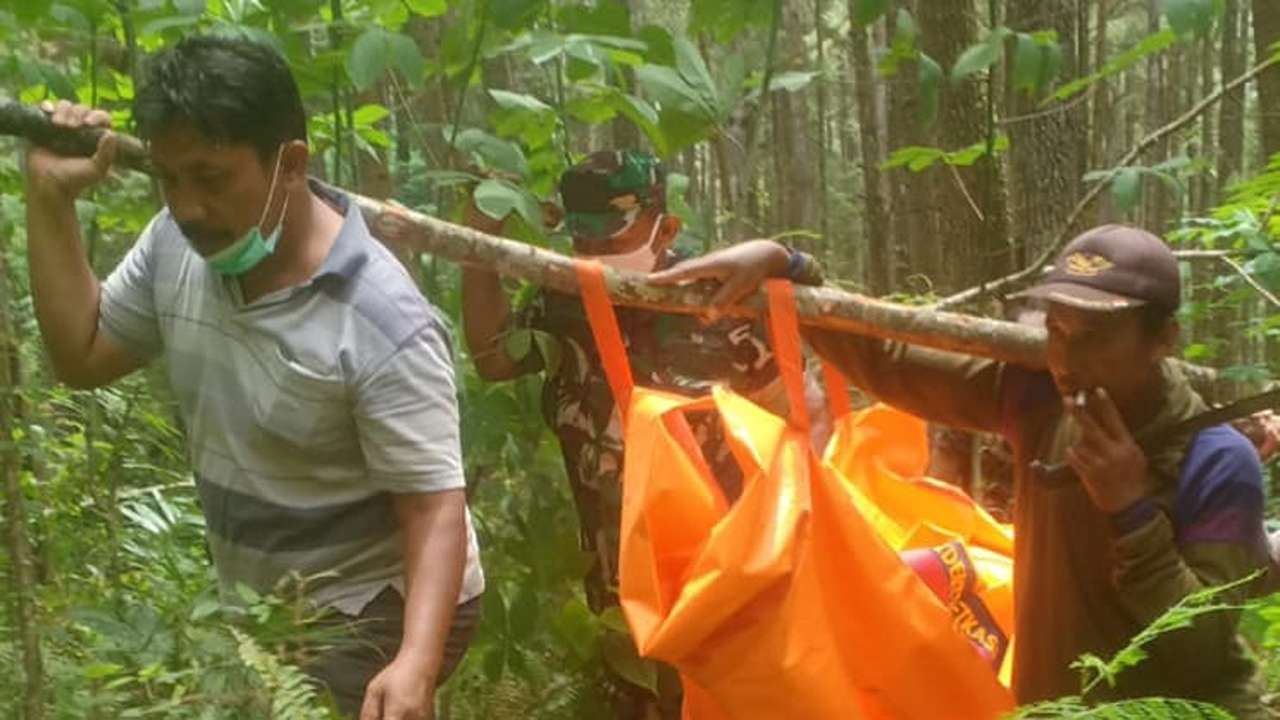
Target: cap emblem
x: 1085, y: 264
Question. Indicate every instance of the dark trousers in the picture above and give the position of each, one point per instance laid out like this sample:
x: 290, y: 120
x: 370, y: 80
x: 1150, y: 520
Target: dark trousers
x: 372, y: 641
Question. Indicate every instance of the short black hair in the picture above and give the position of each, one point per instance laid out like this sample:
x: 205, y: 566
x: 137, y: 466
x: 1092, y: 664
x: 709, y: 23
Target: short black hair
x: 231, y: 88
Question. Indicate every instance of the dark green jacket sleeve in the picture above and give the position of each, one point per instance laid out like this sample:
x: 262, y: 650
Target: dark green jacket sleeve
x: 949, y: 388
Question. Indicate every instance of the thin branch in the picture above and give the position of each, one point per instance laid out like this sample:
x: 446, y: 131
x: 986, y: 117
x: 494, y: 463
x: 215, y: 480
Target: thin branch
x: 1063, y: 236
x: 955, y: 174
x: 1057, y: 109
x: 1253, y: 283
x: 1200, y: 254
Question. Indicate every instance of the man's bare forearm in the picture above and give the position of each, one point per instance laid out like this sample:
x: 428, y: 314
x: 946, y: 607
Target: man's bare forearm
x: 63, y: 287
x: 434, y: 537
x: 486, y: 310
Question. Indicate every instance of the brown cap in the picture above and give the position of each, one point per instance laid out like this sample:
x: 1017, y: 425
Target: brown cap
x: 1113, y: 267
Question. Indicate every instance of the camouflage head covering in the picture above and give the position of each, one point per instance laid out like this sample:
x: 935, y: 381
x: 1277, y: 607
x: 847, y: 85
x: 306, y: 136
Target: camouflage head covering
x: 605, y: 193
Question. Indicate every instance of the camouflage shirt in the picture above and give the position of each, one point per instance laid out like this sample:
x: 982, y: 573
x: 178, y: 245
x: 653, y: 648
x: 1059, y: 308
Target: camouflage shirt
x: 667, y: 352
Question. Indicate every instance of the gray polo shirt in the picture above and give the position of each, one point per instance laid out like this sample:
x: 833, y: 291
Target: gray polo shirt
x: 304, y: 410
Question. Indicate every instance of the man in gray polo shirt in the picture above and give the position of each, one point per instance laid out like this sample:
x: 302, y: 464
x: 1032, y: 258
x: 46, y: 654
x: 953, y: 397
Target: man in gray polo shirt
x: 315, y: 382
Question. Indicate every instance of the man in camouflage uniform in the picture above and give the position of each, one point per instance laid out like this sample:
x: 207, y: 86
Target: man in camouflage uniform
x: 615, y: 210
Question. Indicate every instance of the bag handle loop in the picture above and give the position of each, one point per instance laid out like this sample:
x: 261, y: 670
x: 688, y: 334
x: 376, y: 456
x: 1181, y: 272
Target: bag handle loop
x: 604, y: 328
x: 784, y: 330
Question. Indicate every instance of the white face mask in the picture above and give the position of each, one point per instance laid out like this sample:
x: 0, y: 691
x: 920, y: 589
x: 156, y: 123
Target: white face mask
x: 643, y: 259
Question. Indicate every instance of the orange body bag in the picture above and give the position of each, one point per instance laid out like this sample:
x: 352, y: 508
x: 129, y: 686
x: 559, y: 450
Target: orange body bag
x: 840, y: 586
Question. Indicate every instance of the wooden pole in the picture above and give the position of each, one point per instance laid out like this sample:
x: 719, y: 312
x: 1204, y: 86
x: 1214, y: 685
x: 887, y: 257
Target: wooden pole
x: 823, y: 307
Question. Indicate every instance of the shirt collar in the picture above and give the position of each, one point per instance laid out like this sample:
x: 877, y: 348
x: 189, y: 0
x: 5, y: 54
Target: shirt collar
x: 350, y: 249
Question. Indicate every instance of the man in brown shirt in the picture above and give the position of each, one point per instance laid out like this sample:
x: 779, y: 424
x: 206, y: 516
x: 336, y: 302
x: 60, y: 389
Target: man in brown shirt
x: 1103, y: 551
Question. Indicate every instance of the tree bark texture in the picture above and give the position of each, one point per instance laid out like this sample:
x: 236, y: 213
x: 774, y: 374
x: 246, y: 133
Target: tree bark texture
x: 1044, y: 151
x: 879, y: 238
x: 1266, y: 33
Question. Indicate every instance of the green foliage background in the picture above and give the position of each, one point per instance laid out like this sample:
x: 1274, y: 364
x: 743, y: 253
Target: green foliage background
x: 130, y: 621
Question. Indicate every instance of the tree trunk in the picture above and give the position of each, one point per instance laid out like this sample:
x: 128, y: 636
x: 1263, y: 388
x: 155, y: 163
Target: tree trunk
x: 911, y: 193
x: 1266, y: 33
x: 1044, y: 151
x: 15, y: 514
x: 964, y: 203
x: 1153, y: 211
x: 1102, y: 126
x: 823, y: 145
x: 1231, y: 113
x: 879, y: 239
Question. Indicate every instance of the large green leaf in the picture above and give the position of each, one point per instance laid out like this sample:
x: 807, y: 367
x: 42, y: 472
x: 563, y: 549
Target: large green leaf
x: 1126, y: 189
x: 376, y: 51
x: 661, y: 48
x: 670, y: 90
x: 1027, y: 61
x: 981, y: 56
x: 644, y: 116
x: 498, y: 199
x: 491, y: 151
x: 693, y: 69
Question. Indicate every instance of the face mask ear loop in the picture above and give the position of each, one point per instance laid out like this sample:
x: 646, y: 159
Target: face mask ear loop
x: 271, y: 191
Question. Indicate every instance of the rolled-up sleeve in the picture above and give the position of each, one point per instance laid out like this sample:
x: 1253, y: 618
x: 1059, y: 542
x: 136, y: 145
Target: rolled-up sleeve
x: 127, y: 306
x: 406, y: 413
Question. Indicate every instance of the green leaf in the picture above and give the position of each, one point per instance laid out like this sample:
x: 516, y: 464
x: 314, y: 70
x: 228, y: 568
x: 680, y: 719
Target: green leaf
x: 929, y: 73
x: 1188, y: 17
x: 620, y: 654
x: 1126, y: 189
x: 518, y: 342
x: 100, y: 670
x: 670, y: 90
x: 914, y: 158
x: 1028, y: 61
x: 980, y: 56
x: 866, y: 12
x: 205, y: 608
x: 792, y: 80
x: 519, y: 101
x: 577, y: 628
x: 428, y: 8
x: 592, y: 109
x: 248, y: 594
x: 726, y: 19
x: 605, y: 17
x: 902, y: 48
x: 498, y: 199
x: 661, y: 47
x: 693, y: 70
x: 490, y: 151
x: 550, y: 349
x: 513, y: 14
x: 1198, y: 351
x: 613, y: 619
x: 370, y: 114
x: 376, y: 51
x: 646, y: 117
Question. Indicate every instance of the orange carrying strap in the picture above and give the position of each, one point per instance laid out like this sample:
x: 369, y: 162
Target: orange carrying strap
x: 784, y: 330
x: 604, y: 328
